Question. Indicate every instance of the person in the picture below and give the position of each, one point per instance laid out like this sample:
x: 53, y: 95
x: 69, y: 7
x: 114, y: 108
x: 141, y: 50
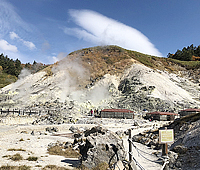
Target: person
x: 95, y: 112
x: 91, y: 112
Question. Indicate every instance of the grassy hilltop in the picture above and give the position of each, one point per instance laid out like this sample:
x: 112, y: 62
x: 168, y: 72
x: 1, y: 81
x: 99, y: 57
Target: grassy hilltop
x: 113, y: 60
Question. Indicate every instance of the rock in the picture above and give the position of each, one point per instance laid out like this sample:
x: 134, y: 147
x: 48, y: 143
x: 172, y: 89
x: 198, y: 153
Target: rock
x: 178, y: 164
x: 101, y: 146
x: 67, y: 145
x: 136, y: 138
x: 51, y: 130
x: 120, y: 133
x: 172, y: 159
x: 33, y: 133
x: 136, y: 123
x: 97, y: 129
x: 181, y: 149
x: 74, y: 129
x: 77, y: 135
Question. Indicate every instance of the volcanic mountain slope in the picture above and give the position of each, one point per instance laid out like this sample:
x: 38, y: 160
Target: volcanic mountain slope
x: 106, y: 77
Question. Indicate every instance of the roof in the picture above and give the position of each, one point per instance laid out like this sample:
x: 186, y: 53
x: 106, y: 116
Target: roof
x: 191, y: 110
x: 117, y: 110
x: 162, y: 113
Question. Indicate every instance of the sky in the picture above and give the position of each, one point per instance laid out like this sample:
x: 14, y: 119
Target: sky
x: 47, y: 30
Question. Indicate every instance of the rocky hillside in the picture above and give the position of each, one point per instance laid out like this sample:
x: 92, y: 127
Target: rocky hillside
x: 106, y: 77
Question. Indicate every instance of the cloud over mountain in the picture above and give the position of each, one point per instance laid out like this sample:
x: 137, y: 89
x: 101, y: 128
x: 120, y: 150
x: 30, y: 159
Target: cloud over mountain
x: 29, y: 44
x: 4, y: 45
x: 101, y: 30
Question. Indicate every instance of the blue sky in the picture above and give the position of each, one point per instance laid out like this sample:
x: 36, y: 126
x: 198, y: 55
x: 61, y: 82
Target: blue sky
x: 48, y: 30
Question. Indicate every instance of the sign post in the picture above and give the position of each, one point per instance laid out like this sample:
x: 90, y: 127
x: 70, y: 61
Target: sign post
x: 166, y: 136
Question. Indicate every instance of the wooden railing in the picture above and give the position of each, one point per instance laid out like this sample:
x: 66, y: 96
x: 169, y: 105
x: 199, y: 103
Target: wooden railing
x: 20, y: 112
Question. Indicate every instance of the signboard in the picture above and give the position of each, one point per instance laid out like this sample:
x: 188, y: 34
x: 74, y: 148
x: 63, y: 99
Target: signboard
x: 166, y: 136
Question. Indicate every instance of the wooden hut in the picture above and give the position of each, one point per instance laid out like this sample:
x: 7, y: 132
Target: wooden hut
x: 188, y: 112
x: 117, y: 113
x: 166, y: 116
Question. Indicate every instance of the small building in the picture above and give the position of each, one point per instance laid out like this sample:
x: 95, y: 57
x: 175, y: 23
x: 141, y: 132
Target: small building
x: 164, y: 116
x: 188, y: 112
x: 117, y: 113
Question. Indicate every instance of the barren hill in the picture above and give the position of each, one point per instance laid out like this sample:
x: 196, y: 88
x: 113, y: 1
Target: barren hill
x: 107, y: 77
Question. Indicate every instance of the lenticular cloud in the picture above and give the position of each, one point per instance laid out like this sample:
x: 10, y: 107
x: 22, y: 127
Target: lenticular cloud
x: 102, y: 30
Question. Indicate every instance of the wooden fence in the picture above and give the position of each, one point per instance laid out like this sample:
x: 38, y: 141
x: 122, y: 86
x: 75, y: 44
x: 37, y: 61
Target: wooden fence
x: 20, y: 112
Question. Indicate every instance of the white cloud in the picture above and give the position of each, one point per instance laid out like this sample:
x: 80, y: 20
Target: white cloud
x: 10, y: 20
x: 29, y: 44
x: 13, y: 35
x: 4, y: 45
x: 102, y: 30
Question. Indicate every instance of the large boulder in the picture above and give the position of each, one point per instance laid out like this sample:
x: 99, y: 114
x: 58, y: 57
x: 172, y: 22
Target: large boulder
x: 101, y: 146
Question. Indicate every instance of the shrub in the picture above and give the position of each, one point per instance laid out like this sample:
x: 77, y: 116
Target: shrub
x: 16, y: 157
x: 53, y: 167
x: 32, y: 158
x: 58, y: 150
x: 8, y: 167
x: 6, y: 156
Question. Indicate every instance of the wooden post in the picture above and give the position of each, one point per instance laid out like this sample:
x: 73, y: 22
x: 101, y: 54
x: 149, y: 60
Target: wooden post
x: 165, y: 148
x: 165, y: 154
x: 130, y: 148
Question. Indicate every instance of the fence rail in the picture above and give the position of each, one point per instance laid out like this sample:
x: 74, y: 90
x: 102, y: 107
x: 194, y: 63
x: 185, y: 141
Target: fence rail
x: 19, y: 112
x: 165, y: 159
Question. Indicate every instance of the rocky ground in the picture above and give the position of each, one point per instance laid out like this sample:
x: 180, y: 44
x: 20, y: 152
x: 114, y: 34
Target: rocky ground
x: 98, y: 139
x: 35, y: 139
x: 185, y: 151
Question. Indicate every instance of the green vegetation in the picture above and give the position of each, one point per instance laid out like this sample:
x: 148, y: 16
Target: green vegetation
x: 187, y: 54
x: 102, y: 60
x: 68, y: 153
x: 6, y: 79
x: 187, y: 64
x: 21, y: 140
x: 10, y: 69
x: 10, y: 66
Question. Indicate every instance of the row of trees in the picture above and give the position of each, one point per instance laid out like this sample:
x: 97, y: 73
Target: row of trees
x: 10, y: 66
x: 186, y: 54
x: 14, y: 67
